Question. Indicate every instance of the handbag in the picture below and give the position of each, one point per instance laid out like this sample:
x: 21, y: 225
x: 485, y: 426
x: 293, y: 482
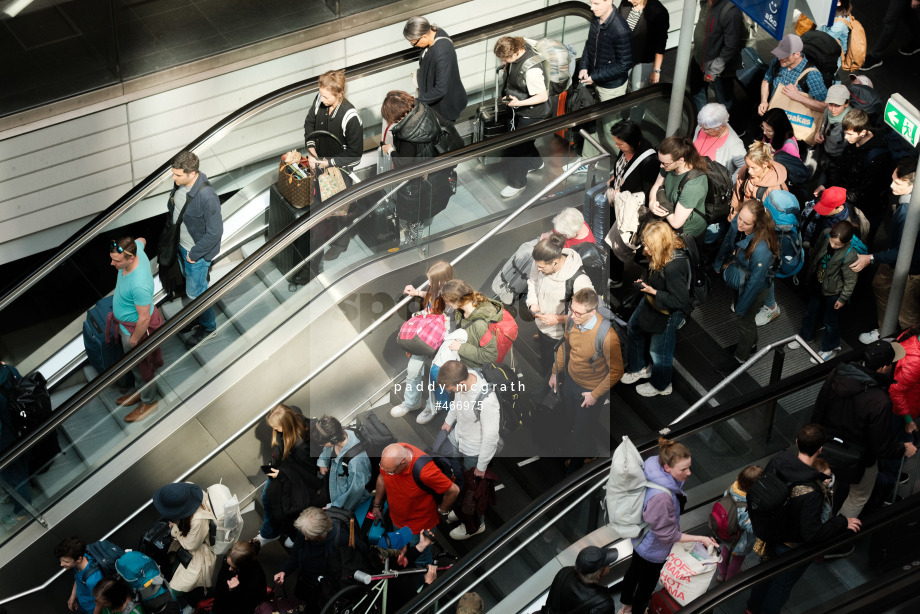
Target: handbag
x: 278, y: 603
x: 688, y: 571
x: 422, y: 335
x: 843, y: 455
x: 331, y: 183
x: 295, y: 184
x: 183, y: 556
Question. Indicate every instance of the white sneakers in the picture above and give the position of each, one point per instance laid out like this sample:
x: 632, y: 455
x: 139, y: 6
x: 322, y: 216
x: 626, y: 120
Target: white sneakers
x: 452, y: 517
x: 401, y: 410
x: 871, y: 337
x: 508, y: 191
x: 793, y: 345
x: 460, y: 533
x: 632, y: 378
x: 425, y: 416
x: 539, y: 168
x: 825, y: 356
x: 580, y: 171
x: 264, y: 540
x: 765, y: 315
x: 647, y: 390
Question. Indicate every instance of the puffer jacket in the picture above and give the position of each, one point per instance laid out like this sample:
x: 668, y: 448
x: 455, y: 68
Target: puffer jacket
x: 718, y: 38
x: 839, y: 278
x: 745, y: 543
x: 608, y: 53
x: 476, y: 326
x: 661, y: 511
x: 758, y: 269
x: 746, y: 188
x: 547, y: 292
x: 414, y: 136
x: 905, y: 392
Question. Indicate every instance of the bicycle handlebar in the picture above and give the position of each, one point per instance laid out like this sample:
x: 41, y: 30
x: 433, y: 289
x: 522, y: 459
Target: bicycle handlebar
x: 366, y: 578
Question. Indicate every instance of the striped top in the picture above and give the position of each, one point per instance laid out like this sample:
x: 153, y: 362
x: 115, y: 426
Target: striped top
x: 633, y: 18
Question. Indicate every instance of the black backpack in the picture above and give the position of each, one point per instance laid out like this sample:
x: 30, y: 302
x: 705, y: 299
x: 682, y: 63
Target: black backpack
x: 822, y: 51
x: 768, y: 505
x: 514, y: 402
x: 104, y: 554
x: 719, y: 195
x: 699, y: 281
x: 866, y: 99
x: 29, y: 409
x: 594, y: 265
x: 373, y: 436
x: 441, y: 463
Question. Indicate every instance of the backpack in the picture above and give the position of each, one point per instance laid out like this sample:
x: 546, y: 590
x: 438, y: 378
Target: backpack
x: 513, y: 399
x: 104, y: 554
x: 784, y: 207
x: 352, y: 548
x: 855, y: 56
x: 441, y: 463
x: 228, y: 526
x: 143, y: 576
x: 594, y: 265
x: 866, y: 99
x: 608, y: 320
x: 700, y: 283
x: 374, y: 436
x: 511, y: 281
x: 767, y: 501
x: 579, y: 97
x: 556, y: 58
x: 29, y: 409
x: 723, y: 519
x: 505, y: 332
x: 797, y: 174
x: 719, y: 195
x: 822, y: 51
x: 857, y: 244
x: 626, y: 488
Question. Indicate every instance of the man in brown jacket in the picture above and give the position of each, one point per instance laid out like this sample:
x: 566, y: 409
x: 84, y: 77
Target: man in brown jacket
x: 590, y: 367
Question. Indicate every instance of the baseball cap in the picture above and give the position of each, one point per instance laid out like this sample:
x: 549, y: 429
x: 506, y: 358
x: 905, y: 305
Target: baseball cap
x: 861, y: 79
x: 790, y: 44
x: 881, y: 353
x: 831, y: 198
x: 837, y: 94
x: 592, y: 558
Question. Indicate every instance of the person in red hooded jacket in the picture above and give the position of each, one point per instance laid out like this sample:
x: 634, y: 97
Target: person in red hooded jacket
x: 905, y: 391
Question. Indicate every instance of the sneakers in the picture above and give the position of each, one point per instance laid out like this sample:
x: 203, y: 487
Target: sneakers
x: 908, y: 49
x: 632, y: 378
x: 581, y: 170
x: 793, y: 345
x: 198, y: 335
x: 825, y: 356
x: 413, y: 232
x: 452, y: 517
x: 647, y: 390
x: 871, y: 63
x: 508, y: 191
x: 871, y: 337
x: 288, y: 543
x: 614, y: 284
x: 264, y: 540
x: 12, y: 519
x: 460, y: 533
x: 765, y: 315
x: 401, y: 410
x: 539, y: 168
x: 425, y: 416
x: 903, y: 478
x: 732, y: 307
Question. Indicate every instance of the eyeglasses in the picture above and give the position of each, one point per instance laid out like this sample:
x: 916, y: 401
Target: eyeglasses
x: 395, y: 469
x: 415, y: 42
x: 580, y: 313
x: 666, y: 164
x: 118, y: 248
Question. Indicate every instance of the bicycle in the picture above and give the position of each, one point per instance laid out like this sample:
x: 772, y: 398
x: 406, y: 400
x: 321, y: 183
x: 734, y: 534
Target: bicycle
x: 363, y: 598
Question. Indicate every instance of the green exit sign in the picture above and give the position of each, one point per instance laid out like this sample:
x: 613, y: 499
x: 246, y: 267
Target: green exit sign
x: 903, y: 118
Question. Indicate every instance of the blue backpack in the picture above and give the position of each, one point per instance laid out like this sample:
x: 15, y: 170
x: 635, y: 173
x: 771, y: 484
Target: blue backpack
x: 786, y: 212
x: 150, y: 587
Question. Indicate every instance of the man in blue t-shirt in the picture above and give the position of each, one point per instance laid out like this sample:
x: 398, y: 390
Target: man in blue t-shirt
x: 72, y: 554
x: 133, y: 308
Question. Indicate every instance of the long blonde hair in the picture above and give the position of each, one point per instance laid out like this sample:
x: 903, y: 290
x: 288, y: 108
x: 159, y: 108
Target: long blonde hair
x: 291, y: 425
x: 660, y: 243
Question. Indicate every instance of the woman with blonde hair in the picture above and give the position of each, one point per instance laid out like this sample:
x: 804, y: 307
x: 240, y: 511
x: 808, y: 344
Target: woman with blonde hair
x: 293, y: 483
x: 473, y: 312
x: 665, y: 309
x: 661, y: 510
x: 438, y: 274
x: 745, y: 261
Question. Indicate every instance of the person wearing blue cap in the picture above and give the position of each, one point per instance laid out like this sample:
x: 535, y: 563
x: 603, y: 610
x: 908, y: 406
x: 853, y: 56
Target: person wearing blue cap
x: 186, y: 507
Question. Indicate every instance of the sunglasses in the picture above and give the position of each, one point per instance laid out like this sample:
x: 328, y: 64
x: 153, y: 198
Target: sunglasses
x: 118, y: 248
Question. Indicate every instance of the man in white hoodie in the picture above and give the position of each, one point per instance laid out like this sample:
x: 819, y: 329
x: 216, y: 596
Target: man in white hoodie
x: 474, y: 418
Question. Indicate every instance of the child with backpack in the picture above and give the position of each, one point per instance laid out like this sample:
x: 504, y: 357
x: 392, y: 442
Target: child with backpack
x: 114, y: 596
x: 737, y: 540
x: 830, y: 282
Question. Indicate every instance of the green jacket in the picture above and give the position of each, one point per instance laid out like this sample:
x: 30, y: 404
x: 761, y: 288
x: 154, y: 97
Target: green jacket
x: 839, y: 278
x: 476, y: 326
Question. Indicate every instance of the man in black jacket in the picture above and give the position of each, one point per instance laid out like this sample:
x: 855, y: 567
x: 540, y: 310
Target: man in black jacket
x: 799, y: 520
x: 438, y: 76
x: 855, y: 408
x: 576, y: 588
x: 717, y: 43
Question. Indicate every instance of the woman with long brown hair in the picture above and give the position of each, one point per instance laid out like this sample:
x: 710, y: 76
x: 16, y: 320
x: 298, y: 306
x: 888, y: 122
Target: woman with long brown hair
x: 241, y: 584
x: 666, y: 290
x: 745, y: 261
x: 473, y: 313
x: 438, y: 274
x: 676, y: 197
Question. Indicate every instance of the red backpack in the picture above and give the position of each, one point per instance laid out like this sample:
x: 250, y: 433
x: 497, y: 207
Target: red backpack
x: 505, y: 332
x: 723, y: 519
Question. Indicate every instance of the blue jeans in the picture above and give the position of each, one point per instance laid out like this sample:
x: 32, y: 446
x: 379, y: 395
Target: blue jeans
x: 771, y: 298
x: 268, y: 530
x: 821, y: 306
x: 196, y: 282
x: 769, y: 597
x: 661, y: 347
x: 415, y: 383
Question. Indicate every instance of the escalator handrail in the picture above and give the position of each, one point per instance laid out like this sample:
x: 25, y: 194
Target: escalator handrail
x: 600, y: 469
x: 279, y: 96
x: 291, y: 233
x: 876, y: 521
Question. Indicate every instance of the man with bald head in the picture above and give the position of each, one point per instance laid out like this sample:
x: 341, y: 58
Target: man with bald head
x: 417, y: 491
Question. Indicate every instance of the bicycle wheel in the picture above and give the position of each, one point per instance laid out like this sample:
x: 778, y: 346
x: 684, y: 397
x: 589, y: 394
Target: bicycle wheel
x: 351, y: 600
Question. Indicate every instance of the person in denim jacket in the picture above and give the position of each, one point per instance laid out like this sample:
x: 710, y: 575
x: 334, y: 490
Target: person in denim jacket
x: 745, y: 261
x: 348, y: 477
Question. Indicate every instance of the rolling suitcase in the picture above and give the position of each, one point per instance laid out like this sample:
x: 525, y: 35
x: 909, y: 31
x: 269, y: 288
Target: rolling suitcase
x: 280, y: 214
x: 493, y: 118
x: 101, y: 352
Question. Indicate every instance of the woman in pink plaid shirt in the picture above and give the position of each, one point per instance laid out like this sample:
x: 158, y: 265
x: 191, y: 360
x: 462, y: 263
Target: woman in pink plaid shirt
x: 432, y: 303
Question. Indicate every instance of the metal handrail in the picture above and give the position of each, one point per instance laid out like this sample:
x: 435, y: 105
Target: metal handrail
x: 341, y: 352
x: 525, y: 521
x: 300, y: 227
x: 268, y: 101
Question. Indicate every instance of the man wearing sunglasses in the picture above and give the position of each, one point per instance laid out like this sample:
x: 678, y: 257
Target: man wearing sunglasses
x: 200, y: 232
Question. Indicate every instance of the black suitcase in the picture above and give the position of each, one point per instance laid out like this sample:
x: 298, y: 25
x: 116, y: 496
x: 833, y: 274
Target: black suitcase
x: 493, y: 118
x: 280, y: 214
x: 155, y: 543
x: 380, y: 229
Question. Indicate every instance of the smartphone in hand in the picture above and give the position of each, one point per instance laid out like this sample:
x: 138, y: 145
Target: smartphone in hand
x: 266, y: 469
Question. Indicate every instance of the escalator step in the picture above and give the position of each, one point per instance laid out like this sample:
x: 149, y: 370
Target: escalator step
x: 249, y: 303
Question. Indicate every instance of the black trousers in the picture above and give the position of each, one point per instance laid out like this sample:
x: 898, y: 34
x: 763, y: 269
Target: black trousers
x: 639, y: 583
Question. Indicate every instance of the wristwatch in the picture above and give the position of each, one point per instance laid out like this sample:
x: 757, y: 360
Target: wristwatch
x: 871, y: 258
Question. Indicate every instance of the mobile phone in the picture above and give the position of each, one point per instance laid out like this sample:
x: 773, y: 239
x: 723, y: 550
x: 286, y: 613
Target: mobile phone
x: 638, y: 285
x: 266, y: 469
